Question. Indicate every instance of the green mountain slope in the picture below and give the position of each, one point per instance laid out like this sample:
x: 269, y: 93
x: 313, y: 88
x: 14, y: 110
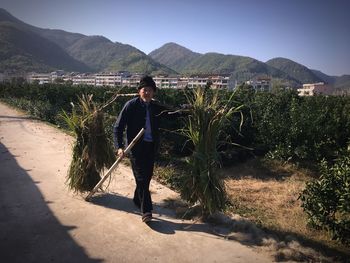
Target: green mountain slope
x: 140, y: 62
x: 240, y: 68
x: 324, y: 77
x: 102, y: 54
x: 74, y: 52
x: 98, y: 51
x: 60, y: 37
x: 339, y: 82
x: 294, y: 69
x: 174, y: 56
x: 24, y: 50
x: 342, y: 82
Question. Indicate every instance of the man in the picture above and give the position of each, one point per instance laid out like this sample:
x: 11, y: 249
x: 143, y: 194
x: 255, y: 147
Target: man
x: 137, y: 113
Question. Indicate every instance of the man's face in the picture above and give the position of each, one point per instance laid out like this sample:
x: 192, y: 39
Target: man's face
x: 146, y: 93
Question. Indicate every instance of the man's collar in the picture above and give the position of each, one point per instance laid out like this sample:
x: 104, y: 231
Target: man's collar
x: 145, y: 103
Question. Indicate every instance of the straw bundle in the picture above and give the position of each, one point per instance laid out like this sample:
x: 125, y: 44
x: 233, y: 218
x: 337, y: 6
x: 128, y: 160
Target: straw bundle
x: 203, y: 127
x: 92, y: 150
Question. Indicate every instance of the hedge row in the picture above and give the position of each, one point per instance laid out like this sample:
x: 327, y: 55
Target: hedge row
x: 281, y: 124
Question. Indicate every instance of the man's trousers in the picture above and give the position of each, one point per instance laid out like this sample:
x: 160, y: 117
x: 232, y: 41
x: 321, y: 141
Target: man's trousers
x: 142, y: 163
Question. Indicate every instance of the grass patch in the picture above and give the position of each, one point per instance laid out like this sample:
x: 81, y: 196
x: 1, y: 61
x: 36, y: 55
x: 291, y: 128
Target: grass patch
x: 266, y: 192
x: 264, y: 209
x: 168, y: 172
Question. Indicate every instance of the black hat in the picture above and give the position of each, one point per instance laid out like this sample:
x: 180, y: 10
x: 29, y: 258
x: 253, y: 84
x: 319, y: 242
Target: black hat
x: 147, y: 81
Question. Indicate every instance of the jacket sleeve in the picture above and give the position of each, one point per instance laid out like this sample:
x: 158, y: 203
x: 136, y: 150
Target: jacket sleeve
x: 119, y: 127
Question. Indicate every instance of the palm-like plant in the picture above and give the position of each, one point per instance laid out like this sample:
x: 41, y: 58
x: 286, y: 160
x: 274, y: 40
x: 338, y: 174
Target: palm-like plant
x: 203, y: 127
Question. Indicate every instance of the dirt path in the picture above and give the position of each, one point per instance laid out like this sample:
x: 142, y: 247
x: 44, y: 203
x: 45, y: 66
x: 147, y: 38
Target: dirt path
x: 41, y: 221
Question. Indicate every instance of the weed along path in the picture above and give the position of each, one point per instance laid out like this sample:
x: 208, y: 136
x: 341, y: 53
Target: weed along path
x: 42, y: 221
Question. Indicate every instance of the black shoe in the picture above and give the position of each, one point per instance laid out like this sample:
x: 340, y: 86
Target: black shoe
x: 146, y: 217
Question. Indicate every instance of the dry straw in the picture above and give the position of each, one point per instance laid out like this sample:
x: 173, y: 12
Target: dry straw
x: 203, y: 127
x: 93, y: 150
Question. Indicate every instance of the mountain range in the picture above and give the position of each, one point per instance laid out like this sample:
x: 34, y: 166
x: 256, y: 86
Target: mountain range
x: 24, y: 47
x: 28, y: 48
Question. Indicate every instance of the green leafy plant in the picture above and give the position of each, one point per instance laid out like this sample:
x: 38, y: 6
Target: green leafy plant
x: 327, y: 199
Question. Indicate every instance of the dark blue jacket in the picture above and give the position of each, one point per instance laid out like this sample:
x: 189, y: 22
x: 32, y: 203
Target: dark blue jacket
x: 133, y: 118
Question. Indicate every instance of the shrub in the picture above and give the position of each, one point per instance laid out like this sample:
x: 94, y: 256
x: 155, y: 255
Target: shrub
x: 327, y: 199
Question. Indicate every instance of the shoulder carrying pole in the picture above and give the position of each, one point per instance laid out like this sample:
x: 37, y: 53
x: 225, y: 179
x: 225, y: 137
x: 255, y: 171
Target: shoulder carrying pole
x: 127, y: 150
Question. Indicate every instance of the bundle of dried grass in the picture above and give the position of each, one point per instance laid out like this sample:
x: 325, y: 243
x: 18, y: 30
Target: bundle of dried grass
x: 92, y: 150
x: 206, y: 122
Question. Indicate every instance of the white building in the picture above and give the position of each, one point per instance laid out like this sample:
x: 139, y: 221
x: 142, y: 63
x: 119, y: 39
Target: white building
x: 182, y: 83
x: 57, y: 74
x: 166, y: 82
x: 311, y: 89
x: 41, y: 78
x: 84, y: 79
x: 260, y: 84
x: 108, y: 79
x: 219, y: 82
x: 132, y: 81
x: 194, y: 82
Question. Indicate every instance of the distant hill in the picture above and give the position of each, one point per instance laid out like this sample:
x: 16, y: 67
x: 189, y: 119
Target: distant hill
x: 24, y: 47
x: 342, y: 82
x: 102, y: 54
x: 339, y: 82
x: 324, y: 77
x: 68, y: 51
x: 174, y: 56
x: 294, y: 69
x: 24, y: 50
x: 240, y: 68
x: 60, y: 37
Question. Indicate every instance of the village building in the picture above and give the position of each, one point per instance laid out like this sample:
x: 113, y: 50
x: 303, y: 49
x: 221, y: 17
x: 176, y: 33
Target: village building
x: 260, y: 83
x: 311, y: 89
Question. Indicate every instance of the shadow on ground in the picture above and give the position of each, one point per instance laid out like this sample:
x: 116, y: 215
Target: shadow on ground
x: 164, y: 219
x: 29, y: 231
x: 284, y: 246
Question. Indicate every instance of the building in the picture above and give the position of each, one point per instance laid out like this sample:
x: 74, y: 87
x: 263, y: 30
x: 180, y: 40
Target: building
x: 312, y: 89
x: 108, y: 79
x: 260, y: 83
x: 132, y: 81
x: 194, y: 82
x: 125, y: 78
x: 41, y: 78
x: 219, y: 82
x: 84, y: 79
x: 45, y: 78
x: 182, y: 83
x: 166, y: 82
x: 58, y: 74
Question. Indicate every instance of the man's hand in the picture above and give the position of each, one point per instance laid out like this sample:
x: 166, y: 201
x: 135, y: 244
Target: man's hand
x: 120, y: 152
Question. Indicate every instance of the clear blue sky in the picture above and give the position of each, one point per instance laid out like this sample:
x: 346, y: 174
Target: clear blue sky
x: 315, y: 33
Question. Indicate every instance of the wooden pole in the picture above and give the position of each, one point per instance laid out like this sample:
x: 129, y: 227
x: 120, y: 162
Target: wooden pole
x: 110, y: 170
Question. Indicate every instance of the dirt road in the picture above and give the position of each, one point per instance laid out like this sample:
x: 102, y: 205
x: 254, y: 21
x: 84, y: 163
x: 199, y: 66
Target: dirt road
x: 41, y: 221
